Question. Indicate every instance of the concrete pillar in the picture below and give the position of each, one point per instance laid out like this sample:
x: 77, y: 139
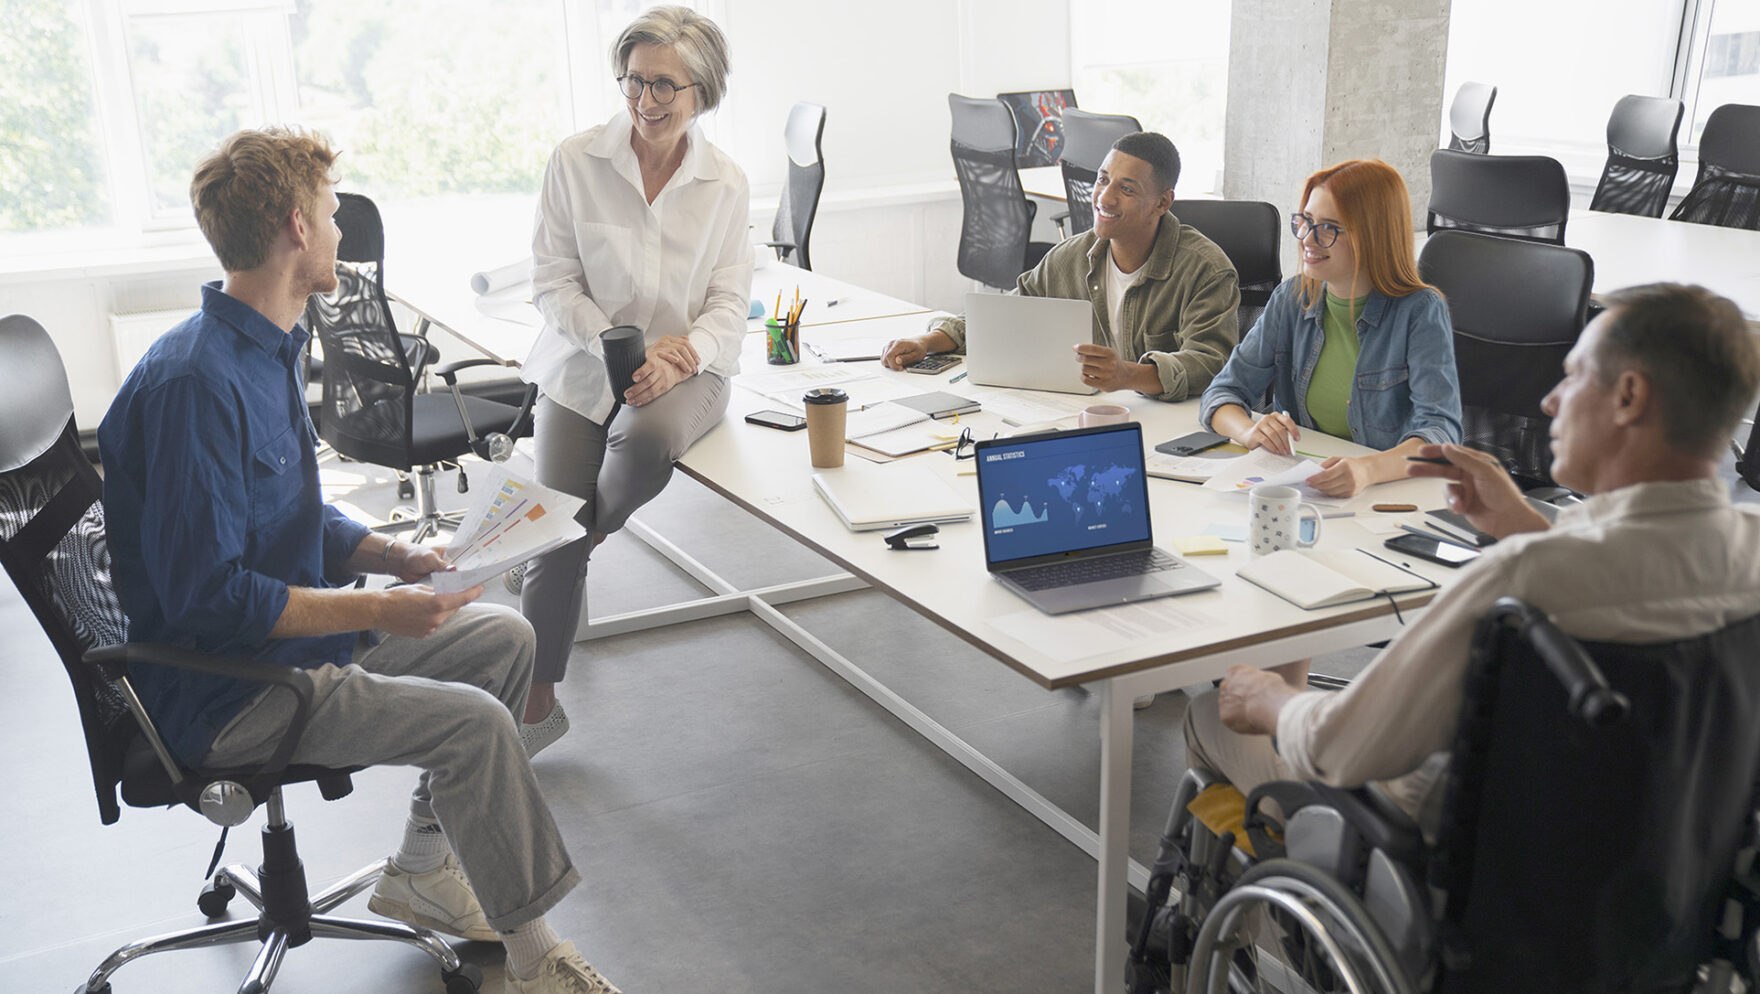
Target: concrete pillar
x: 1312, y: 82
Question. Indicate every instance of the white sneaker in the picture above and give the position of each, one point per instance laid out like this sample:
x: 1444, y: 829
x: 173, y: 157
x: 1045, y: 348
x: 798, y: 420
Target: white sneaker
x: 515, y: 579
x: 440, y: 899
x: 562, y: 972
x: 1140, y: 703
x: 539, y: 735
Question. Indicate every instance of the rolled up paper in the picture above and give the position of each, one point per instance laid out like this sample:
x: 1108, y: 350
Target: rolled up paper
x: 502, y: 277
x: 625, y: 351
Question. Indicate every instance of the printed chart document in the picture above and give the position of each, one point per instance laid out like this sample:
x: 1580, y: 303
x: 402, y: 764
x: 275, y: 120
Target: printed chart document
x: 1190, y: 469
x: 511, y: 519
x: 1312, y: 579
x: 1259, y: 467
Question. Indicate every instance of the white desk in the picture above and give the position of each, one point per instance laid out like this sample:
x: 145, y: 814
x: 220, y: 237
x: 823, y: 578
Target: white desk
x: 1181, y: 640
x: 1629, y: 250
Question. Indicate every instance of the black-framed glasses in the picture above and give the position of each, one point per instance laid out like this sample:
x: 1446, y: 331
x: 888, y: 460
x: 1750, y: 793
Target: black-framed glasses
x: 664, y: 90
x: 1325, y: 232
x: 966, y: 447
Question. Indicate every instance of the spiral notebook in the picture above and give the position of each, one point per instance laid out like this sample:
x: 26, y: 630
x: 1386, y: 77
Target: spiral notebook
x: 1311, y: 579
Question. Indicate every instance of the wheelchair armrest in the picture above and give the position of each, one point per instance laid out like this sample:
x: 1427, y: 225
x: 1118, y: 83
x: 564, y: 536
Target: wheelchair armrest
x: 113, y: 662
x: 1381, y: 826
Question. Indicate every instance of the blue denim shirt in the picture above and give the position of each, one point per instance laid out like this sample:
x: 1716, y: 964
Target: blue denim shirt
x: 1406, y: 384
x: 213, y: 511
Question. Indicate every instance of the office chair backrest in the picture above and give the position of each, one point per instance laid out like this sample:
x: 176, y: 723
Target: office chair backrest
x: 52, y: 539
x: 1517, y: 308
x: 1469, y: 118
x: 1748, y: 458
x: 998, y: 218
x: 806, y: 178
x: 1642, y: 157
x: 1727, y: 190
x: 1517, y: 196
x: 369, y: 384
x: 1250, y: 233
x: 1038, y: 121
x: 1582, y: 848
x: 1086, y: 140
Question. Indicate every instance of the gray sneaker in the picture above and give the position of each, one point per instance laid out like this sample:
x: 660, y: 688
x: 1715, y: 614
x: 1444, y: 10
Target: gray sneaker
x: 515, y: 579
x: 538, y: 735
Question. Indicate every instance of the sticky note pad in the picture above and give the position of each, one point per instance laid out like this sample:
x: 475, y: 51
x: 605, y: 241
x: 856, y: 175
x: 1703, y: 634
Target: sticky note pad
x: 1200, y: 545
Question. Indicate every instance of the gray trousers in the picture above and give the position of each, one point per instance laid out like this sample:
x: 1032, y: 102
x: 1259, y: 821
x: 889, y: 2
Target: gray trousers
x: 615, y: 472
x: 446, y: 705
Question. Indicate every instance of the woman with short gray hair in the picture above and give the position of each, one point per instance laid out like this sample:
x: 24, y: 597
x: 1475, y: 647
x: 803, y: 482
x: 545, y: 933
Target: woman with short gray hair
x: 640, y: 222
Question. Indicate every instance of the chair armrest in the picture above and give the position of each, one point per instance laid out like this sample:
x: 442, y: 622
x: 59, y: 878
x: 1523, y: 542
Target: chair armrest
x: 1380, y: 826
x: 113, y: 662
x: 449, y: 371
x: 419, y: 351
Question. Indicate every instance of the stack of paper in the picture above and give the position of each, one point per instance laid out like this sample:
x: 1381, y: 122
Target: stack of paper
x: 512, y: 518
x: 1261, y: 468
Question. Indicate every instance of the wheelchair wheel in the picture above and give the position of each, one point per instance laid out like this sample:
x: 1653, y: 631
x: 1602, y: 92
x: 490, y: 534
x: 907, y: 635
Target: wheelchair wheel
x: 1287, y: 927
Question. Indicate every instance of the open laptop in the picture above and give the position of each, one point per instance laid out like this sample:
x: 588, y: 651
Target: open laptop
x: 1066, y: 520
x: 1027, y: 342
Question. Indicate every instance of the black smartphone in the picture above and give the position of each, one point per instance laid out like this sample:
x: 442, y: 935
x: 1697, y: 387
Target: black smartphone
x: 1191, y: 445
x: 1433, y: 549
x: 779, y: 420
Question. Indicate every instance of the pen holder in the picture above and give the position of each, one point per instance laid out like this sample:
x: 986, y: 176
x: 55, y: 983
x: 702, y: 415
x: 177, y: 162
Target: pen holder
x: 784, y: 342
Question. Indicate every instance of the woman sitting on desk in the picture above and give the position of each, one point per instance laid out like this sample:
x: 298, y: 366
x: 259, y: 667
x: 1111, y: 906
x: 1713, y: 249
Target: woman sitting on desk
x: 641, y: 222
x: 1356, y: 346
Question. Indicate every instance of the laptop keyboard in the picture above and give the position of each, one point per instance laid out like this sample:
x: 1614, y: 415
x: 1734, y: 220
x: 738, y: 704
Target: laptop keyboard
x: 1076, y: 571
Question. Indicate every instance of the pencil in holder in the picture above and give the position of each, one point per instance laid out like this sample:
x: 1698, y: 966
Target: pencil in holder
x: 784, y: 341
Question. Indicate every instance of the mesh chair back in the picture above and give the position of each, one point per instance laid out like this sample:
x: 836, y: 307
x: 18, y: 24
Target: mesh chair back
x: 1086, y: 140
x: 52, y: 540
x: 1250, y: 233
x: 1727, y: 189
x: 1518, y: 196
x: 1584, y: 856
x: 1642, y: 157
x: 1469, y: 118
x: 1517, y: 308
x: 368, y: 385
x: 806, y: 178
x: 1038, y: 122
x: 998, y: 218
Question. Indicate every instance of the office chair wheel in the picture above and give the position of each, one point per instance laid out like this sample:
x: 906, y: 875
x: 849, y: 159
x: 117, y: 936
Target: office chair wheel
x: 215, y: 897
x: 467, y: 979
x: 406, y: 489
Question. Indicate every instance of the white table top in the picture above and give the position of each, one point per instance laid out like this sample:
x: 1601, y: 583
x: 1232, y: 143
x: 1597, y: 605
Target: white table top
x: 1630, y: 250
x: 768, y: 472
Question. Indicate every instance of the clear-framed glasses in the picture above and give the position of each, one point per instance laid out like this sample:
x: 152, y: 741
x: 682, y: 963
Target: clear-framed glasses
x: 664, y: 90
x: 1302, y: 225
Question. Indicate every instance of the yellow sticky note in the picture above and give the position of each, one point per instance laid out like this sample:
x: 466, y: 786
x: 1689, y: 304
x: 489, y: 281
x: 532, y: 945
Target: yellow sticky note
x: 1200, y: 545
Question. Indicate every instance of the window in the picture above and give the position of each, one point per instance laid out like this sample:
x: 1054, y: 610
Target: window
x: 1722, y: 63
x: 51, y: 162
x: 1164, y: 64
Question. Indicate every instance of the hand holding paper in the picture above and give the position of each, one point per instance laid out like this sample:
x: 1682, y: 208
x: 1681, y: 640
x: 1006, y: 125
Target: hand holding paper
x: 512, y: 519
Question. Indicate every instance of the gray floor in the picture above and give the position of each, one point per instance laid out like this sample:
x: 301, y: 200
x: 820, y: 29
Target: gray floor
x: 744, y: 820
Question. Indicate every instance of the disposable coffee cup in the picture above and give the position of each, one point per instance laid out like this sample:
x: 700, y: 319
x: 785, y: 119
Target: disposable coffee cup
x: 827, y: 409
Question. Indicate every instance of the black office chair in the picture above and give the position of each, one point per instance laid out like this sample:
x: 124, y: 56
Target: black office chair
x: 995, y: 245
x: 1086, y: 140
x: 1598, y: 809
x: 793, y: 226
x: 1642, y: 157
x: 1748, y: 456
x: 1727, y: 190
x: 1517, y: 308
x: 1517, y: 196
x: 1469, y: 118
x: 52, y: 544
x: 1250, y: 233
x: 1038, y: 122
x: 372, y: 410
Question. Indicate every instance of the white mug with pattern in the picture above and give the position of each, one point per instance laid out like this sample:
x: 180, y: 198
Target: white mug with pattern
x: 1274, y: 519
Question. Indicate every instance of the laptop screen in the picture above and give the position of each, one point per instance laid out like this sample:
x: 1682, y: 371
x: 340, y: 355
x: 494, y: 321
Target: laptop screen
x: 1054, y: 494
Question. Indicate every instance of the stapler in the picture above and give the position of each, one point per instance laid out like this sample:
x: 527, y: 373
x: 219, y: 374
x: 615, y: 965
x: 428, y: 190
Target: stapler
x: 913, y: 537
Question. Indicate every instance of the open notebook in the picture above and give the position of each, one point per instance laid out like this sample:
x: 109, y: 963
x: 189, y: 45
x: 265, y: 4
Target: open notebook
x: 1313, y: 579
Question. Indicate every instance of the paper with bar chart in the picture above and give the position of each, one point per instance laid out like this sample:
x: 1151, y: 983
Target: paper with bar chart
x: 511, y: 519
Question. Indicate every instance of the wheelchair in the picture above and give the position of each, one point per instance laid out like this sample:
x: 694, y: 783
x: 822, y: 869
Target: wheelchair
x: 1598, y: 832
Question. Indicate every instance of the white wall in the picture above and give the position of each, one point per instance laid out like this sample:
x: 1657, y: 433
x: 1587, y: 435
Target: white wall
x: 890, y: 217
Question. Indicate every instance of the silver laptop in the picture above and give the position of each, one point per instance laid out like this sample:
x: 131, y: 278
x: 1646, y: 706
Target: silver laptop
x: 868, y: 496
x: 1027, y: 342
x: 1066, y: 520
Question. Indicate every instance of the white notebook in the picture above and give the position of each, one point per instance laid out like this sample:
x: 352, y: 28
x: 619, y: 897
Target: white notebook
x: 1312, y: 579
x: 891, y: 495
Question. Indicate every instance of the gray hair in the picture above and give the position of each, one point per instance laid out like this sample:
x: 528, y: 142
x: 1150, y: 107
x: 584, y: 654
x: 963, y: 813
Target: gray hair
x: 694, y: 37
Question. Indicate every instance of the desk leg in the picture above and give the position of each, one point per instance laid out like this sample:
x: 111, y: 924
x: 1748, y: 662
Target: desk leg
x: 1115, y: 837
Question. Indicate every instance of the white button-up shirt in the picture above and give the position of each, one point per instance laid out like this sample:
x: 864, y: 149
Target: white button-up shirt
x: 603, y: 256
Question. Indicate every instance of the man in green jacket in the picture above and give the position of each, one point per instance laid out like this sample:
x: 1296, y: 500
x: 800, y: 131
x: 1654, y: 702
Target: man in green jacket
x: 1165, y: 297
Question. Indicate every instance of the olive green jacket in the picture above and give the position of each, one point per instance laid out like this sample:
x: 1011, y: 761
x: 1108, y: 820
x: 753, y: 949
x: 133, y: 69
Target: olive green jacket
x: 1181, y: 314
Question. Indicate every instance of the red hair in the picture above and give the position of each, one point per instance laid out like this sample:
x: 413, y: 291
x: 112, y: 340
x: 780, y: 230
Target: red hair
x: 1376, y: 211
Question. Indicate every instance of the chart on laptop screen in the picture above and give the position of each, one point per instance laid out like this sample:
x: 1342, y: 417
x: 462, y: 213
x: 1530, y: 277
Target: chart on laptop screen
x: 1059, y: 494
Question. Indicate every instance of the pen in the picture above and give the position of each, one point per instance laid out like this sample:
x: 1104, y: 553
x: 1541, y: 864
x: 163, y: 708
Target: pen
x: 835, y: 302
x: 1430, y: 460
x: 957, y: 378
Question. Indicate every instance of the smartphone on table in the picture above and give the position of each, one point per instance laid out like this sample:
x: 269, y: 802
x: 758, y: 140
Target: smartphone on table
x: 780, y: 420
x: 1191, y: 445
x: 1432, y: 549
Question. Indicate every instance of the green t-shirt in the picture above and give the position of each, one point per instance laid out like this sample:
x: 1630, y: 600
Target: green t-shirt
x: 1329, y: 392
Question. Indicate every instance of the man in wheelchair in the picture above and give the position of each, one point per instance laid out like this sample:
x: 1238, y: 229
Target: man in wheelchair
x: 1491, y: 805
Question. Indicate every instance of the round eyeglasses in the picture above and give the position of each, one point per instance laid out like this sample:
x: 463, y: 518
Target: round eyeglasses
x: 664, y: 90
x: 1325, y: 233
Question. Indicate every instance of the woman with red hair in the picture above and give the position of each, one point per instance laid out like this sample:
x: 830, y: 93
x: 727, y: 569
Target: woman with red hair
x: 1356, y: 345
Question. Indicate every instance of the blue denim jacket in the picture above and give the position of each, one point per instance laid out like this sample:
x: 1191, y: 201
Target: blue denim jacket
x: 1406, y: 381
